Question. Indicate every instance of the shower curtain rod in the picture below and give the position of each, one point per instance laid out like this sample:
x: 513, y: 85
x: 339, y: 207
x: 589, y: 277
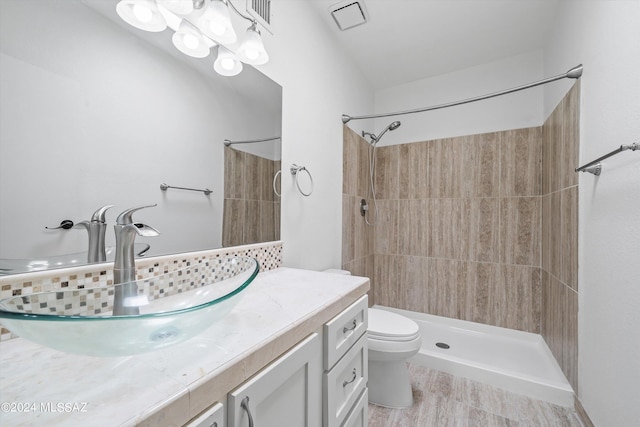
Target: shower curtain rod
x: 228, y: 142
x: 573, y: 73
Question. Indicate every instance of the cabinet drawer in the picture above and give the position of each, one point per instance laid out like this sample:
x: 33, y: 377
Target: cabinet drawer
x: 359, y: 416
x: 344, y: 384
x: 212, y: 417
x: 341, y: 332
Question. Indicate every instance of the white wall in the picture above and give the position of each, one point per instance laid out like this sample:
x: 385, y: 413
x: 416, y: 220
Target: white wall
x: 605, y: 36
x: 513, y: 111
x: 320, y: 83
x: 91, y: 115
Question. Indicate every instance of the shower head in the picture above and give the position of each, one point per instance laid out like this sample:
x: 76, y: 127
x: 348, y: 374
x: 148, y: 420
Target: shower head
x: 393, y: 126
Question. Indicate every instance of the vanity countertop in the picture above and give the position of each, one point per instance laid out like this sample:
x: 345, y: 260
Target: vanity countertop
x: 41, y: 386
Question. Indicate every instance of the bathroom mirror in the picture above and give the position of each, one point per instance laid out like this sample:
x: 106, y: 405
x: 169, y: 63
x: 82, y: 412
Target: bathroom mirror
x: 94, y: 112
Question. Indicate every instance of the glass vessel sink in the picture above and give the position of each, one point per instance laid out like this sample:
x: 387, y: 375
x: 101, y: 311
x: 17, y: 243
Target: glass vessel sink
x: 174, y: 306
x: 24, y: 265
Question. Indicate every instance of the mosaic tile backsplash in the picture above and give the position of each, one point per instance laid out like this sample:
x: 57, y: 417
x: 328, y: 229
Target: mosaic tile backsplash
x: 204, y: 266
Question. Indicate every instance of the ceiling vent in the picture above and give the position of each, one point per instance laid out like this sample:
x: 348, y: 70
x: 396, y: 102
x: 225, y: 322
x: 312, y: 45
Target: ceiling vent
x: 348, y: 13
x: 260, y: 10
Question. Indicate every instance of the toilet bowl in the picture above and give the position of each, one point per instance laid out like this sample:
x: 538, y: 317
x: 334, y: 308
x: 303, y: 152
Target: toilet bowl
x: 392, y: 339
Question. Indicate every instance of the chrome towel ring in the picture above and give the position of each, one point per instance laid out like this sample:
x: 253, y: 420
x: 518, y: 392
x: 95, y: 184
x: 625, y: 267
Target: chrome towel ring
x: 275, y: 178
x: 294, y: 171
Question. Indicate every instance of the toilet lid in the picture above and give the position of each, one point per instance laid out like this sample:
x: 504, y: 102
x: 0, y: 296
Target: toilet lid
x: 385, y: 325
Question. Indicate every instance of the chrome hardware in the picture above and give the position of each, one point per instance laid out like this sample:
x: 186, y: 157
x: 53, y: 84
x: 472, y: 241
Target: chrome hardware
x: 595, y: 167
x: 294, y: 171
x: 345, y: 329
x: 164, y: 187
x: 228, y: 142
x: 245, y: 405
x: 275, y: 177
x: 124, y: 267
x: 96, y: 228
x: 364, y: 207
x: 65, y: 225
x: 355, y: 375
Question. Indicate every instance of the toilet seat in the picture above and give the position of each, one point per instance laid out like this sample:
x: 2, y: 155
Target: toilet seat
x: 387, y: 326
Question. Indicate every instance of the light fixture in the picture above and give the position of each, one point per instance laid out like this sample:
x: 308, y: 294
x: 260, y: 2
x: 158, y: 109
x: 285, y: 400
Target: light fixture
x: 215, y: 23
x: 251, y: 50
x: 199, y: 25
x: 226, y: 64
x: 142, y: 14
x: 181, y: 7
x: 189, y: 40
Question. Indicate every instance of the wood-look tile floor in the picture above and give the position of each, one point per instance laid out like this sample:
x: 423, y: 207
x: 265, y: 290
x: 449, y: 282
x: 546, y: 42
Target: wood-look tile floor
x: 443, y: 400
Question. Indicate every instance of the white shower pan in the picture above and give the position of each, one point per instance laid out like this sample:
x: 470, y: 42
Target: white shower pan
x: 516, y: 361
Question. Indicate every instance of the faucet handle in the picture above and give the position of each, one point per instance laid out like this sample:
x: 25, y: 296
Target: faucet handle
x: 99, y: 215
x: 126, y: 217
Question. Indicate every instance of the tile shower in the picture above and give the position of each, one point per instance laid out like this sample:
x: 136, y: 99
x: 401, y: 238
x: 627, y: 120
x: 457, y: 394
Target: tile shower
x: 480, y: 227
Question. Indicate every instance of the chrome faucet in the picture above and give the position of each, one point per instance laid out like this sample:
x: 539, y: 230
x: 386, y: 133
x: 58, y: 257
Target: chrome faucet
x: 124, y: 267
x: 96, y: 229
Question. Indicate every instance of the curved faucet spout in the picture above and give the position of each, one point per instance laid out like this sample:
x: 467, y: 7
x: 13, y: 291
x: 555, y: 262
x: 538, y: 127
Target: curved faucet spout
x: 124, y: 268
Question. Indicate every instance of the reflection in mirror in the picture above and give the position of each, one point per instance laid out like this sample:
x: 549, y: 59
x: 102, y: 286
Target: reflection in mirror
x: 94, y: 112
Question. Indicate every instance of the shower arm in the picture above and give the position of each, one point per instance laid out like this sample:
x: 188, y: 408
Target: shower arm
x: 573, y: 73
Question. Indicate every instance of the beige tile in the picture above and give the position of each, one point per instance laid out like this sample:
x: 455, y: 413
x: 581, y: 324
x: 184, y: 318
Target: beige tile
x: 265, y: 179
x: 554, y: 235
x: 414, y: 227
x: 386, y: 280
x: 251, y: 176
x: 364, y: 177
x: 552, y: 151
x: 387, y: 173
x: 484, y: 229
x: 515, y: 298
x: 449, y: 221
x: 570, y: 137
x: 474, y: 296
x: 552, y: 318
x: 276, y: 218
x: 232, y: 225
x: 267, y: 222
x: 385, y: 234
x: 234, y: 178
x: 521, y: 162
x: 350, y: 164
x: 487, y: 165
x: 412, y: 275
x: 363, y: 233
x: 251, y: 222
x: 440, y: 168
x: 442, y: 291
x: 569, y: 237
x: 348, y: 229
x: 520, y: 229
x: 570, y: 336
x: 545, y: 236
x: 413, y: 170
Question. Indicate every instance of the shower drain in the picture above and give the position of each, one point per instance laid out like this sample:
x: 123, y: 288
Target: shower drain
x: 442, y: 345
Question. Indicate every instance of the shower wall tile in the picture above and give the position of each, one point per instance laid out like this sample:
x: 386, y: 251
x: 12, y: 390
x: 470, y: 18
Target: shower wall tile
x: 414, y: 227
x: 444, y: 275
x: 487, y: 165
x: 233, y: 174
x: 387, y: 172
x: 484, y: 229
x: 364, y: 177
x: 569, y: 237
x: 385, y: 277
x: 267, y: 222
x: 554, y: 235
x: 350, y: 162
x: 552, y: 151
x: 412, y: 275
x: 516, y: 298
x: 570, y: 137
x: 232, y: 229
x: 475, y: 295
x: 348, y: 229
x: 450, y: 228
x: 414, y: 176
x: 520, y: 230
x: 385, y: 236
x: 521, y: 162
x: 251, y: 222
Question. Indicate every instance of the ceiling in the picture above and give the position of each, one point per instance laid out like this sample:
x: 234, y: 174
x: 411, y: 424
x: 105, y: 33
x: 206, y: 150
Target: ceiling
x: 408, y: 40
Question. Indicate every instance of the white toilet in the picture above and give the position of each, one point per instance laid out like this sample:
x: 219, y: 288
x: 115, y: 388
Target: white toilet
x: 391, y: 339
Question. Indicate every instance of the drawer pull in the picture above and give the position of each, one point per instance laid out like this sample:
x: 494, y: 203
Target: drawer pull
x: 245, y: 405
x: 345, y: 329
x: 355, y: 375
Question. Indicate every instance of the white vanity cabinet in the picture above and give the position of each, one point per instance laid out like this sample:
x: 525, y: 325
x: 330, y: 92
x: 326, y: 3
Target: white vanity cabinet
x: 288, y: 392
x: 346, y: 367
x: 212, y: 417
